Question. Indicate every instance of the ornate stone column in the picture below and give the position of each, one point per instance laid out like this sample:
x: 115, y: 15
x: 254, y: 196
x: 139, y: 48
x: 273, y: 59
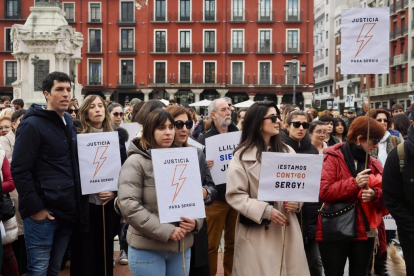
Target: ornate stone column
x: 251, y: 97
x: 197, y: 93
x: 171, y: 92
x: 279, y: 99
x: 146, y: 94
x: 307, y: 96
x: 222, y: 92
x: 108, y: 94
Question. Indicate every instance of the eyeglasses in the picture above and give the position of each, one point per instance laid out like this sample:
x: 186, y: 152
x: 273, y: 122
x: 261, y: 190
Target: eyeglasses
x: 180, y: 124
x: 118, y: 114
x: 383, y: 120
x: 70, y: 111
x: 5, y: 127
x: 273, y: 118
x: 298, y: 124
x: 319, y: 132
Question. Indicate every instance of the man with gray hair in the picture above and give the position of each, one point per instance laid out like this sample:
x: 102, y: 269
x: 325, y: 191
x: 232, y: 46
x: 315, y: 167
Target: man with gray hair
x: 220, y: 215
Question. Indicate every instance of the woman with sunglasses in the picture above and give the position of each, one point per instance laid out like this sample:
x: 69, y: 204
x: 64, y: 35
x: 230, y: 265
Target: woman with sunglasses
x: 155, y: 249
x: 261, y: 225
x: 343, y: 177
x: 117, y: 114
x: 73, y: 110
x: 199, y: 252
x: 317, y: 133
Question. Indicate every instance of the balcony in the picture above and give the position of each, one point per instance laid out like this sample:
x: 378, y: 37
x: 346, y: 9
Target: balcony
x: 292, y: 49
x: 264, y: 49
x: 126, y: 20
x: 265, y: 16
x: 399, y: 6
x: 94, y: 17
x: 288, y: 80
x: 93, y: 48
x: 399, y: 59
x: 6, y: 47
x: 161, y: 18
x: 237, y: 16
x: 127, y: 50
x: 292, y: 17
x: 127, y: 81
x: 160, y: 48
x: 209, y: 49
x: 70, y: 17
x: 14, y: 15
x: 184, y: 48
x: 210, y: 17
x: 94, y: 81
x: 237, y: 48
x: 7, y: 81
x: 184, y: 17
x: 238, y: 80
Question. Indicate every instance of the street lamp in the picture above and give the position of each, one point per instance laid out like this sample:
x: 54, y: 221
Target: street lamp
x: 294, y: 74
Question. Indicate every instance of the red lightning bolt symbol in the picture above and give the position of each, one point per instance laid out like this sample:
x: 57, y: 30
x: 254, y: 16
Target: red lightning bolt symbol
x: 181, y: 180
x: 98, y: 162
x: 366, y: 36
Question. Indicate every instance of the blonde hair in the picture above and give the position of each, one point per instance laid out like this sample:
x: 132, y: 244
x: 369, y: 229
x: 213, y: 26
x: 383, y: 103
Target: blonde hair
x: 83, y: 115
x: 6, y: 112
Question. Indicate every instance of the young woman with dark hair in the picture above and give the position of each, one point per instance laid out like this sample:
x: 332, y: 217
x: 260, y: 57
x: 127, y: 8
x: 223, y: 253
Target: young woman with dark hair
x: 317, y: 133
x: 146, y: 109
x: 154, y: 248
x: 401, y: 123
x: 339, y: 129
x: 330, y: 138
x: 259, y: 233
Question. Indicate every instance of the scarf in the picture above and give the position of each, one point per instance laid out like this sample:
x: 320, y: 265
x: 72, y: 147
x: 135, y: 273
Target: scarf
x: 353, y: 153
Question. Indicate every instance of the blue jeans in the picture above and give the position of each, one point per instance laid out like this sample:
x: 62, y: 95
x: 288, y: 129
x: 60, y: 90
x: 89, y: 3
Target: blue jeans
x: 158, y: 262
x: 46, y: 242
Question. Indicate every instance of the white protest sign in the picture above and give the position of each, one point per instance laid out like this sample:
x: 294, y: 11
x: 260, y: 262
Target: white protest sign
x: 196, y: 144
x: 99, y: 162
x: 178, y: 184
x: 219, y: 148
x: 133, y: 129
x: 329, y: 104
x: 365, y: 46
x: 290, y: 177
x: 389, y: 223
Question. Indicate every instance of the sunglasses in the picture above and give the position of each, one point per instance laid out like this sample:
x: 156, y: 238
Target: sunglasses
x: 117, y: 114
x: 70, y: 111
x: 180, y: 124
x: 383, y: 120
x: 375, y: 141
x: 298, y: 124
x: 273, y: 118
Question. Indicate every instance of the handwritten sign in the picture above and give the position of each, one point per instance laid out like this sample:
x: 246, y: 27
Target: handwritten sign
x: 133, y: 129
x: 290, y: 177
x: 178, y: 184
x: 389, y: 222
x: 99, y: 162
x: 219, y: 148
x: 365, y: 41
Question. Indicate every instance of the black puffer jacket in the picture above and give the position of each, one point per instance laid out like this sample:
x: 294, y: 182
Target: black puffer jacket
x: 308, y: 217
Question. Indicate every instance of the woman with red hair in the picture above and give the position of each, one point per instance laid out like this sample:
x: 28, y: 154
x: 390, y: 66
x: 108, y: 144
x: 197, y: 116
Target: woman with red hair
x: 345, y: 181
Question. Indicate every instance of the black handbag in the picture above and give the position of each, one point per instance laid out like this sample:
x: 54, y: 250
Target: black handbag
x: 339, y: 221
x: 248, y: 222
x: 8, y: 210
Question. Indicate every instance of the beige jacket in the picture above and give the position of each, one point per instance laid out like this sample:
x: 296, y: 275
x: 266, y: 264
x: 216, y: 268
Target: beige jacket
x: 138, y: 205
x: 257, y: 250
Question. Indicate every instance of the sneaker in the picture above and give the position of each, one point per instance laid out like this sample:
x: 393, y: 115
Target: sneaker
x: 123, y: 258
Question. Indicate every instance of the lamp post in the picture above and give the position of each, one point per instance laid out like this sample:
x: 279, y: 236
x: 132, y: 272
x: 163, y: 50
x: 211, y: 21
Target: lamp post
x: 294, y: 74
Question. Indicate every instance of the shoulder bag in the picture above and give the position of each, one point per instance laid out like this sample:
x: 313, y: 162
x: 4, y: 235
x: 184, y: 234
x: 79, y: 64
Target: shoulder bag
x: 339, y: 221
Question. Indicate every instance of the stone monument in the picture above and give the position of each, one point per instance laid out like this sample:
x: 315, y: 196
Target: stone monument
x: 45, y: 43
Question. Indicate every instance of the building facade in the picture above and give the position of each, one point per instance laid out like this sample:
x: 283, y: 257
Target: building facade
x: 184, y: 49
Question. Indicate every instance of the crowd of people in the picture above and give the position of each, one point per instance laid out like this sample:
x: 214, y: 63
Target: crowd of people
x: 46, y: 219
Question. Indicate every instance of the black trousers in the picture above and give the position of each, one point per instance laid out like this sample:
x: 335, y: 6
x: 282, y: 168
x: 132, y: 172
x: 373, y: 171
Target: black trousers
x: 335, y: 254
x: 407, y: 245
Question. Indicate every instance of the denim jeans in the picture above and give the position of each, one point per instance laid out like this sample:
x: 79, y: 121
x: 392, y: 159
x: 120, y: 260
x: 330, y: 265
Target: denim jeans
x: 46, y: 242
x: 157, y: 262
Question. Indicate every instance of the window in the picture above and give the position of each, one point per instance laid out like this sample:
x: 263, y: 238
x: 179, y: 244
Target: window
x: 292, y: 73
x: 327, y: 17
x: 127, y: 71
x: 160, y: 10
x: 372, y: 81
x: 127, y: 12
x: 160, y: 72
x: 380, y: 80
x: 210, y: 72
x: 327, y: 35
x: 237, y: 73
x: 394, y: 77
x: 402, y: 76
x: 326, y: 52
x: 185, y: 42
x: 209, y: 10
x: 292, y: 41
x: 11, y: 72
x: 69, y: 9
x: 237, y: 41
x: 12, y: 9
x: 9, y: 43
x: 264, y: 41
x: 127, y: 40
x: 265, y: 10
x: 160, y: 41
x: 293, y: 10
x: 95, y: 12
x: 95, y: 71
x: 184, y: 10
x: 237, y: 10
x: 209, y: 41
x: 185, y: 72
x: 326, y: 71
x: 95, y: 41
x: 264, y: 72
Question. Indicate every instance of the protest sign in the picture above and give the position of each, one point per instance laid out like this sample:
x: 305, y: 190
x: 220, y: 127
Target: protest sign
x: 365, y: 41
x: 178, y: 184
x: 219, y: 148
x: 133, y: 130
x: 196, y: 144
x: 290, y: 177
x: 389, y: 223
x: 99, y: 162
x: 329, y: 104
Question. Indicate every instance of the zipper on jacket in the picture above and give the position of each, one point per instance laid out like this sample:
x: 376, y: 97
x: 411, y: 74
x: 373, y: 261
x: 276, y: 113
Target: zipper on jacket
x: 299, y: 144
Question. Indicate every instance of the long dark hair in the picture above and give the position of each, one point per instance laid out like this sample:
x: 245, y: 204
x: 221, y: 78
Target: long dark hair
x: 252, y: 135
x: 155, y: 118
x: 338, y: 121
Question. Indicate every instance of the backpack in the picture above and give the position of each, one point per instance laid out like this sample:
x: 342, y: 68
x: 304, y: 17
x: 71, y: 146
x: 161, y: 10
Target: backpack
x: 401, y: 155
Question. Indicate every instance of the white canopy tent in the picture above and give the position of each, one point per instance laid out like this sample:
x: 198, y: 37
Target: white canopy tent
x: 165, y: 102
x: 245, y: 104
x: 201, y: 103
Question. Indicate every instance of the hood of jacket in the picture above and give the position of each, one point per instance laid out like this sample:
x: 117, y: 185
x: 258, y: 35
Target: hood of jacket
x: 38, y: 110
x: 304, y: 145
x: 135, y: 148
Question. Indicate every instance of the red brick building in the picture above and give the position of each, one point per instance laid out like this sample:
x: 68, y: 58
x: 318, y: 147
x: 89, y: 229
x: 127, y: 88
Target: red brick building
x: 187, y: 49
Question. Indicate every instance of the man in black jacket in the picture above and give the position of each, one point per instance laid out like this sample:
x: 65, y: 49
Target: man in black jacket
x: 398, y: 193
x: 46, y: 173
x: 220, y: 215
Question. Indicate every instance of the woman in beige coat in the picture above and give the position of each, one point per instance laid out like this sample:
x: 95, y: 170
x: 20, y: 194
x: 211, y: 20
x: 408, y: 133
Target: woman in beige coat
x: 261, y: 225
